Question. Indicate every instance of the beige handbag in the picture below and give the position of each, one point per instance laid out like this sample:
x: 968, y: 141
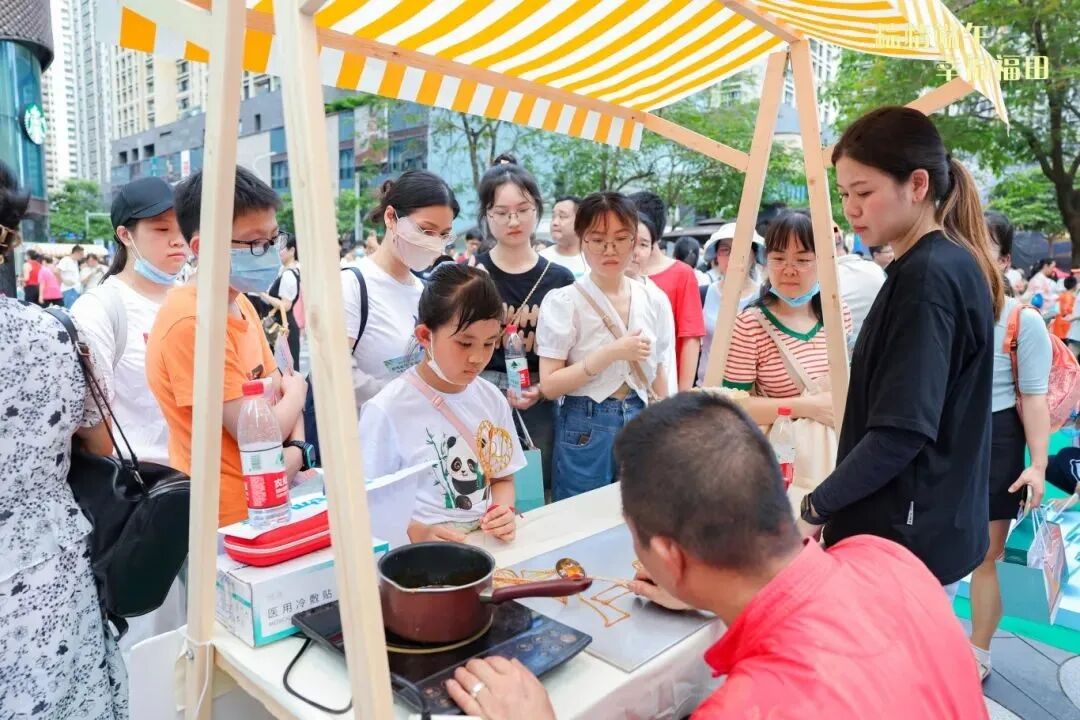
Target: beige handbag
x: 815, y: 443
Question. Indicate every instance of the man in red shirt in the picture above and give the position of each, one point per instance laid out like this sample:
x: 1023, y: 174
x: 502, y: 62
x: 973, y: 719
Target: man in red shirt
x: 861, y: 630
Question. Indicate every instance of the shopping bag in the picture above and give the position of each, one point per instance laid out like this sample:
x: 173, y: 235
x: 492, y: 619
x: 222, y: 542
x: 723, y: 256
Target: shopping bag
x: 1034, y: 569
x: 528, y: 481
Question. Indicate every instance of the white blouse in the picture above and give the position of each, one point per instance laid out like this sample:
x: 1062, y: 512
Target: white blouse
x: 570, y: 329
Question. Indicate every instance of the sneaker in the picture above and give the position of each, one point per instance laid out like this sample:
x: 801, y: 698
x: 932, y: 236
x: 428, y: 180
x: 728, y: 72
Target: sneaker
x: 982, y: 658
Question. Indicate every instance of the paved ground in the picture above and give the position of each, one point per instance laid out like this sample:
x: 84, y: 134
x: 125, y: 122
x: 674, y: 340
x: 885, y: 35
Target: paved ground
x: 1032, y: 681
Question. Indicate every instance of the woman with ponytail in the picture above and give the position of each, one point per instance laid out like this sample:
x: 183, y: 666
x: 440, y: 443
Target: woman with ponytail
x: 914, y: 455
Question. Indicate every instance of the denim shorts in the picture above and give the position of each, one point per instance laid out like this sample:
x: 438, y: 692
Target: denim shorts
x: 585, y: 433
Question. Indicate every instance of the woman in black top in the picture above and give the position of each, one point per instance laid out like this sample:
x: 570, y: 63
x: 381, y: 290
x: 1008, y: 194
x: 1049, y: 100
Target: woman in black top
x: 913, y: 460
x: 510, y: 205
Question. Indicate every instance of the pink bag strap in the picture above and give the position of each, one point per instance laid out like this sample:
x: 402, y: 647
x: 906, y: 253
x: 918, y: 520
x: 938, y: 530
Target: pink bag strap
x: 439, y: 403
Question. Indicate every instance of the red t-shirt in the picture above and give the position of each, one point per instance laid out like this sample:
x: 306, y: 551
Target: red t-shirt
x: 680, y: 284
x: 861, y: 630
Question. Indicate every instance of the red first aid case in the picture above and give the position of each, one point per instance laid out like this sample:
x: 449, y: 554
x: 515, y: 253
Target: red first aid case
x: 282, y: 543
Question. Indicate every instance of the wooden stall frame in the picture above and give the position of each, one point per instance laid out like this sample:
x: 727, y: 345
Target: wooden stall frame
x: 226, y: 24
x: 300, y: 39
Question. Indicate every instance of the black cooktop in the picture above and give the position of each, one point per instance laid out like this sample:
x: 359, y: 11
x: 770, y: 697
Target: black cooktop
x: 537, y: 641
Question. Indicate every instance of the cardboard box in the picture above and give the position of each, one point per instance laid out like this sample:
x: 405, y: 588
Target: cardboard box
x: 257, y: 603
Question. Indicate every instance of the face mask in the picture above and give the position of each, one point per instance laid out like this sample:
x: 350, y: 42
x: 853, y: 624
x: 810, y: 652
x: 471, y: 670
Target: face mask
x: 798, y: 301
x: 415, y: 248
x: 143, y: 268
x: 250, y: 274
x: 435, y: 366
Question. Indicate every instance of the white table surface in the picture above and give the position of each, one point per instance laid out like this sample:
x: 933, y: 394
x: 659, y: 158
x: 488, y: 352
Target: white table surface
x: 670, y: 686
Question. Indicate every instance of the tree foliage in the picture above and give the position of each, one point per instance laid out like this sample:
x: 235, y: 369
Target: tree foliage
x: 68, y: 209
x: 1027, y: 199
x: 1044, y: 114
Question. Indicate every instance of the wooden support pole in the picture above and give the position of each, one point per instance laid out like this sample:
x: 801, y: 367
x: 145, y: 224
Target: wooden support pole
x: 350, y: 526
x: 763, y: 19
x: 937, y: 99
x: 753, y: 185
x: 698, y: 142
x: 817, y: 184
x: 225, y: 33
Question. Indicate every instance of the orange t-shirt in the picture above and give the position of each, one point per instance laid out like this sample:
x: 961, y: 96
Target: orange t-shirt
x: 1059, y: 325
x: 170, y: 370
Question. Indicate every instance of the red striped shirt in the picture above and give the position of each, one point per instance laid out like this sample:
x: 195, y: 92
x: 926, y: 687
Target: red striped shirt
x: 754, y: 359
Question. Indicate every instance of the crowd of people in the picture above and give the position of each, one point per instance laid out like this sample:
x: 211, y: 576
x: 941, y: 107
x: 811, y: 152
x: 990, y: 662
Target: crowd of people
x: 611, y: 324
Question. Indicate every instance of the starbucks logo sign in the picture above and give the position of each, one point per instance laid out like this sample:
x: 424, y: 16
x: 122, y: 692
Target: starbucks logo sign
x: 34, y: 123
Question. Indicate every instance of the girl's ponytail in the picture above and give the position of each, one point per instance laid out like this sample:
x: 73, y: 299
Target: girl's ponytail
x: 961, y: 215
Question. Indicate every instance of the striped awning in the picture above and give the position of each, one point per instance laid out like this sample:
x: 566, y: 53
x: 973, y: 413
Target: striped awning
x: 585, y: 68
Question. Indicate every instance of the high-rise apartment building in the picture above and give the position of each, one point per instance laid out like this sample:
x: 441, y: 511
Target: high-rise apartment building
x: 58, y: 94
x: 93, y: 94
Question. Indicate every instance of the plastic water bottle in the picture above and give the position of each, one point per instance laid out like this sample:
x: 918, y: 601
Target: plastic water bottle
x: 517, y: 365
x: 782, y: 438
x: 262, y: 458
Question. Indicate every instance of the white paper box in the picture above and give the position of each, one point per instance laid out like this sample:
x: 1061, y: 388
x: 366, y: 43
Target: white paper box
x: 257, y: 603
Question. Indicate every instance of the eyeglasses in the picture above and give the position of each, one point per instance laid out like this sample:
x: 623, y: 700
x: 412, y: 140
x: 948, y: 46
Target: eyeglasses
x: 801, y: 265
x: 260, y: 247
x: 600, y: 244
x: 502, y: 217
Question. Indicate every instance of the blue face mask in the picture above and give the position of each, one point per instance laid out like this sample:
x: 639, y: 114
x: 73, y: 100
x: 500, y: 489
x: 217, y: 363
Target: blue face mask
x: 251, y: 274
x: 143, y: 268
x: 798, y: 301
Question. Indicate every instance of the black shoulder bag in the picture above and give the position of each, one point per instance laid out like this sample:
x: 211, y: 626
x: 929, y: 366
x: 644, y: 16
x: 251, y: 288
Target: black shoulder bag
x: 311, y: 428
x: 138, y: 510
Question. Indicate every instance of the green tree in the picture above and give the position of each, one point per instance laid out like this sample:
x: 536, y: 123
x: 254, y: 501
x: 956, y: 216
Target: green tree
x: 285, y: 214
x: 346, y: 205
x: 68, y: 209
x: 1027, y: 199
x: 1044, y: 114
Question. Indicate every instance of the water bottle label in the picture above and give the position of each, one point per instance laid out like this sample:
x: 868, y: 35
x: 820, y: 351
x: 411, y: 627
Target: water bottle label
x: 787, y: 471
x: 517, y: 374
x: 266, y: 484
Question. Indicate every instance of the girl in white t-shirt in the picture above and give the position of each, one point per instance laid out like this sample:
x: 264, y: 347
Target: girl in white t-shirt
x: 115, y: 319
x: 442, y: 412
x: 418, y: 210
x: 605, y: 381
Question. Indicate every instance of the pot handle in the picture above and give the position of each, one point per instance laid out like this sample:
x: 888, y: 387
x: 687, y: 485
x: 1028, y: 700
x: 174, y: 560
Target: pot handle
x: 546, y: 588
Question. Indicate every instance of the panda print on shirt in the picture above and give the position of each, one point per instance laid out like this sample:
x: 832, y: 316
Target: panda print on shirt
x: 459, y: 474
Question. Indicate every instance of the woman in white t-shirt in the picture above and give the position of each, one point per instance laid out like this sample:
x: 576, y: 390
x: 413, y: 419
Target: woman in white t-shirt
x: 418, y: 210
x: 604, y: 382
x: 444, y: 413
x: 567, y: 248
x: 115, y: 319
x: 643, y: 246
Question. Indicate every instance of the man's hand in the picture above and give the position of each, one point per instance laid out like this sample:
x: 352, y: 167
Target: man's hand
x: 643, y: 585
x: 499, y: 689
x: 293, y: 383
x: 807, y: 530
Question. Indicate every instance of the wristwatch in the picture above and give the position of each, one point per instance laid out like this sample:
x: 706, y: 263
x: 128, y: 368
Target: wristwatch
x: 308, y: 455
x: 807, y: 512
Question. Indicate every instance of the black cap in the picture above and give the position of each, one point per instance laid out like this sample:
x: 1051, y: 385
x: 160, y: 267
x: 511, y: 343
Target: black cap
x: 142, y: 198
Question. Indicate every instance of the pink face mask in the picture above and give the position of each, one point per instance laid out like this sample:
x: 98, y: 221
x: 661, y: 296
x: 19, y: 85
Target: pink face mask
x: 416, y: 248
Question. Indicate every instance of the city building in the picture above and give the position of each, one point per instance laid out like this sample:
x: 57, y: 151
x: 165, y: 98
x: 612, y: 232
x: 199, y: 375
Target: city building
x: 59, y: 101
x: 745, y: 86
x: 26, y: 50
x: 376, y: 141
x: 93, y: 62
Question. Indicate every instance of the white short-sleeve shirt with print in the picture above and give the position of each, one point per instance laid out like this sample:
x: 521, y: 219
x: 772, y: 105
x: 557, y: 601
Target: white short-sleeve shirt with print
x: 400, y: 428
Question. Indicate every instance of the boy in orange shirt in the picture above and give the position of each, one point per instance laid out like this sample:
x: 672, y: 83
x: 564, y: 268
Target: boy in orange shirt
x: 1066, y: 305
x: 170, y: 347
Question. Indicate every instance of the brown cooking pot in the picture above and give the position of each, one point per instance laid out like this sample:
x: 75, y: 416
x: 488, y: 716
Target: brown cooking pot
x: 441, y: 592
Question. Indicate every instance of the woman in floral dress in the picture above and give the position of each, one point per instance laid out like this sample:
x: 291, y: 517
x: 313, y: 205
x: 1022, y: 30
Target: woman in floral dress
x: 57, y: 657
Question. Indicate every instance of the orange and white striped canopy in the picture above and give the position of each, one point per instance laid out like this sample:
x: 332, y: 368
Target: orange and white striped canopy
x: 585, y: 68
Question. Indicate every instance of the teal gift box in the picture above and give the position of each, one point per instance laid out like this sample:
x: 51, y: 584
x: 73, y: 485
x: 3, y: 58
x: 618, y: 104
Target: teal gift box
x: 1020, y: 540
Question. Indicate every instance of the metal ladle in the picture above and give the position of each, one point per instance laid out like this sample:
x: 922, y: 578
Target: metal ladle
x: 571, y: 569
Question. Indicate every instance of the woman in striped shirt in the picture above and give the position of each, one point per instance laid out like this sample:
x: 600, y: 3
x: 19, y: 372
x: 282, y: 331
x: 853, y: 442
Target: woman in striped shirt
x: 790, y: 311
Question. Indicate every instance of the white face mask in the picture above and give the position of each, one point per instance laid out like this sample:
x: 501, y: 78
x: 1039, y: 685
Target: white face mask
x: 435, y: 365
x: 416, y: 248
